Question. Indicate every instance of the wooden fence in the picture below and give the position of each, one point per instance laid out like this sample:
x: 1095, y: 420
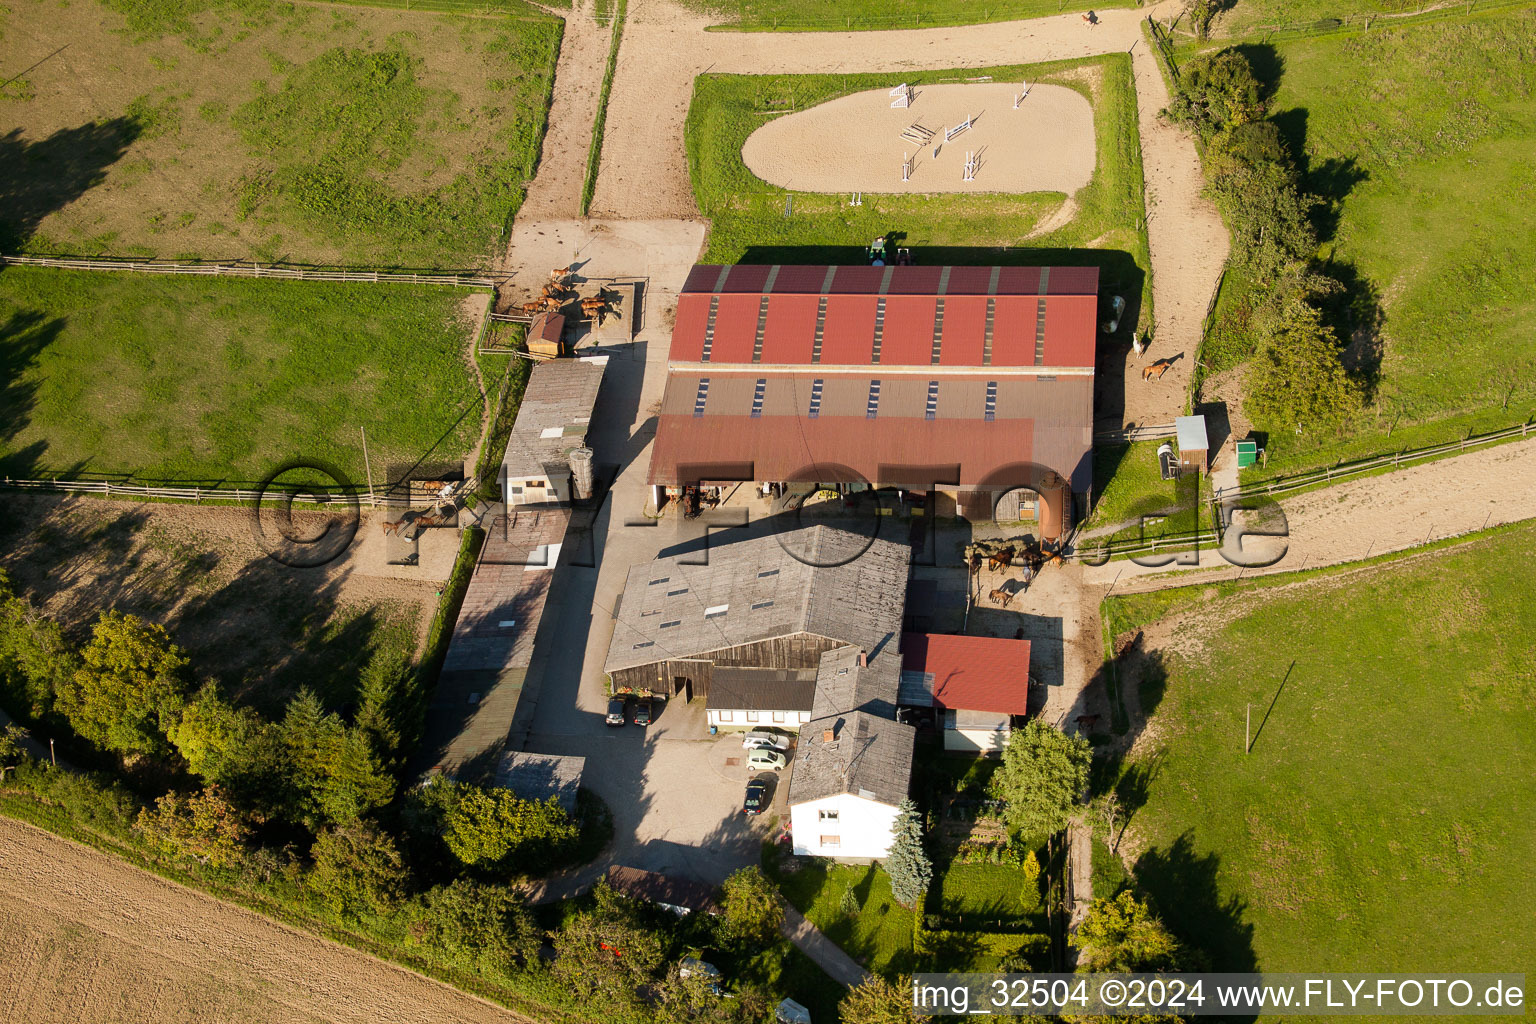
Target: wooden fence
x: 1153, y: 433
x: 241, y: 268
x: 1343, y: 470
x: 109, y: 489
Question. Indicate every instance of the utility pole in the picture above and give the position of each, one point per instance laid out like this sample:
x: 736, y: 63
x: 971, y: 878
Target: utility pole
x: 367, y: 465
x: 51, y: 755
x: 1247, y: 727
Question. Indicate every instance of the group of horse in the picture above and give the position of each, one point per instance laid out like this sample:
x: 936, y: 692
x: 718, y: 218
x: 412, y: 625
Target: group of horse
x: 556, y: 294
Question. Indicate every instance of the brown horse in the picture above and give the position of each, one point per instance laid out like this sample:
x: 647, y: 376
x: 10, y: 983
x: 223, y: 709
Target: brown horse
x: 1156, y: 370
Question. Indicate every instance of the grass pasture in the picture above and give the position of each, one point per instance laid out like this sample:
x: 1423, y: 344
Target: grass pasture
x: 832, y: 15
x: 878, y: 935
x: 197, y: 379
x: 1389, y: 780
x: 281, y: 132
x: 748, y: 215
x: 1418, y: 136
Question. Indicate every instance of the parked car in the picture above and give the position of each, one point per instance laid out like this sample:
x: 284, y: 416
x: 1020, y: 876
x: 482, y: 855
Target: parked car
x: 764, y: 759
x: 643, y: 713
x: 754, y: 740
x: 692, y: 965
x: 615, y: 711
x: 759, y: 796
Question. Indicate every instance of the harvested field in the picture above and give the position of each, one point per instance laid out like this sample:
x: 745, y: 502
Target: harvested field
x: 262, y: 629
x: 89, y: 938
x: 855, y: 143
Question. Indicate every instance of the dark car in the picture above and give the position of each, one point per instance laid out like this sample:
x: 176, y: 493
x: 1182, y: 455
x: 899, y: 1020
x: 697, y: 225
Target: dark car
x: 643, y: 713
x: 759, y: 796
x: 615, y: 711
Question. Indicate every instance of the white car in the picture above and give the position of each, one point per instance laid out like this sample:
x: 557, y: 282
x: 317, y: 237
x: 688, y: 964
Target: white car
x: 763, y: 757
x: 771, y: 740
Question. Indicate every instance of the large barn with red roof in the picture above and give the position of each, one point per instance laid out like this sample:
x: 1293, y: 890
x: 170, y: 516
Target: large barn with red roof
x: 968, y: 381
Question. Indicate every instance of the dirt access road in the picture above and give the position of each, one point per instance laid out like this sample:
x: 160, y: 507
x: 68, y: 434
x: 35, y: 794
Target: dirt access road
x: 89, y: 938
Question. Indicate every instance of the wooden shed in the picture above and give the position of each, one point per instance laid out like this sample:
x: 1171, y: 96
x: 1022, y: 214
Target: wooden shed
x: 544, y: 334
x: 1194, y: 448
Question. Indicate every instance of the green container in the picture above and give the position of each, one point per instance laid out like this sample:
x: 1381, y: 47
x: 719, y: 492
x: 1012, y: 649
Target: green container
x: 1247, y: 453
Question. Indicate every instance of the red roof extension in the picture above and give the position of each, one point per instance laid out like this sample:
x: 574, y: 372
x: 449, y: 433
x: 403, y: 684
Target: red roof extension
x: 971, y: 673
x: 720, y: 309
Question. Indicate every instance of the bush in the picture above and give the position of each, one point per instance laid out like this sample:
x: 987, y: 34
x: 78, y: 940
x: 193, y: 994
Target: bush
x: 357, y: 870
x: 606, y: 950
x: 1122, y: 934
x: 34, y: 656
x: 205, y: 827
x: 477, y: 926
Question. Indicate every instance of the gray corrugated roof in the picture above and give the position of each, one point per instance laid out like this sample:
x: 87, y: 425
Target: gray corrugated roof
x: 869, y: 756
x: 541, y: 776
x: 761, y: 689
x: 557, y: 402
x: 817, y: 579
x: 1191, y: 433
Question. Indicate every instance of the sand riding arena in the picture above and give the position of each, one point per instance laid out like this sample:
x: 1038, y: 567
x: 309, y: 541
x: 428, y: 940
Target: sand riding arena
x: 953, y: 138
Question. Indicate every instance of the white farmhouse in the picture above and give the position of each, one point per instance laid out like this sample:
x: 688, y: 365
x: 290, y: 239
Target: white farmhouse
x: 852, y: 768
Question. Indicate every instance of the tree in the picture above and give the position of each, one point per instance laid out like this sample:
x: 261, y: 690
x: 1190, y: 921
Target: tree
x: 381, y: 691
x: 34, y: 656
x: 1122, y: 934
x: 12, y: 750
x: 877, y: 1001
x: 1042, y: 773
x: 129, y: 687
x: 214, y: 737
x: 1298, y: 379
x: 357, y: 869
x: 204, y: 826
x: 908, y: 864
x: 498, y: 828
x: 751, y: 908
x: 335, y: 774
x: 476, y: 924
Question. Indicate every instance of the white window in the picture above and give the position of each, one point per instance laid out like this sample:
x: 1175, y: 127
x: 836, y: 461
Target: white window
x: 725, y: 716
x: 834, y: 841
x: 778, y: 716
x: 715, y: 611
x: 751, y: 716
x: 827, y: 815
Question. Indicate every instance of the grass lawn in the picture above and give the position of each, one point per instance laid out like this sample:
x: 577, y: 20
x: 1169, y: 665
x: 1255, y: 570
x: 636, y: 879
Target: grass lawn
x: 984, y: 896
x: 1420, y: 137
x: 879, y: 935
x: 191, y: 378
x: 827, y: 15
x: 1385, y: 817
x: 747, y: 214
x: 274, y: 131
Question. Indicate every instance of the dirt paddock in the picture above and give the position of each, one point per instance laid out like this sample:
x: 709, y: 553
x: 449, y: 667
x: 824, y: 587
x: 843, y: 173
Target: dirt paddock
x: 260, y: 627
x: 89, y: 938
x: 854, y: 143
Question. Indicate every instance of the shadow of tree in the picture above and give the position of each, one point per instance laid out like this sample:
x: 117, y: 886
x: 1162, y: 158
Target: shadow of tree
x: 23, y: 337
x: 42, y: 177
x: 1184, y: 887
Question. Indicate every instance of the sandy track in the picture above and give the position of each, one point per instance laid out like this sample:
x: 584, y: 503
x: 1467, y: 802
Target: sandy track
x: 854, y: 143
x: 89, y: 938
x: 555, y: 191
x: 644, y: 170
x: 1358, y: 518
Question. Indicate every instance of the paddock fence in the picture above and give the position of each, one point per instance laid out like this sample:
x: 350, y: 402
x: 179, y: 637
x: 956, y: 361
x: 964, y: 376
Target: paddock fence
x: 244, y: 268
x: 392, y: 495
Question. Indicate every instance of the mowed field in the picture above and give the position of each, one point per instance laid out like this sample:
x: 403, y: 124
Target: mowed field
x: 90, y: 938
x: 841, y: 15
x: 751, y: 222
x: 204, y: 379
x: 273, y: 131
x: 1385, y: 818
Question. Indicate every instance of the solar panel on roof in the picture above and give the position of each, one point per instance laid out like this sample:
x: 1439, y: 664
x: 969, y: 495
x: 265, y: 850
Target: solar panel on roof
x: 701, y: 397
x: 991, y: 409
x: 933, y: 400
x: 815, y: 398
x: 757, y: 396
x: 874, y: 400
